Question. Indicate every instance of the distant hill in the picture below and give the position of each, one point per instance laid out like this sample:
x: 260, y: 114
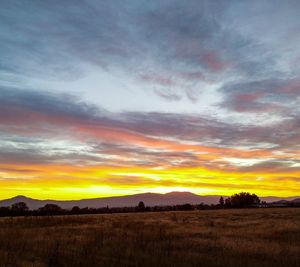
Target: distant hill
x: 150, y: 199
x: 284, y: 202
x: 275, y: 199
x: 297, y: 200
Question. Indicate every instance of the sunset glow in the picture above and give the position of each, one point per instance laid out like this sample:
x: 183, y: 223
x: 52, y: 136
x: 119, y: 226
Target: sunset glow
x: 107, y: 98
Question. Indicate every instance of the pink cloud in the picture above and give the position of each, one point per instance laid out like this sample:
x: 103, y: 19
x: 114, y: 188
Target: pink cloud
x: 213, y: 61
x: 290, y: 88
x: 249, y: 102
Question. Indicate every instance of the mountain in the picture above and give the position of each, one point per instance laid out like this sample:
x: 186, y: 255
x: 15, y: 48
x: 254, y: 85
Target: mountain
x: 150, y: 199
x: 284, y: 203
x: 297, y: 200
x: 275, y: 199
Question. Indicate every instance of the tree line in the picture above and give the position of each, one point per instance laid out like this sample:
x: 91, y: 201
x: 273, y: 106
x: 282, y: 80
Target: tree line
x: 241, y: 200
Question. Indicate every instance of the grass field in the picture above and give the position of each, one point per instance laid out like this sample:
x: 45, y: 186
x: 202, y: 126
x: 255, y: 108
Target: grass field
x: 251, y: 237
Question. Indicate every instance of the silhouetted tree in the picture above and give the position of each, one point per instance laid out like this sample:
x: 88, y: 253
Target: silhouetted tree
x: 227, y: 202
x: 85, y: 210
x: 51, y: 209
x: 202, y: 206
x: 75, y: 210
x: 5, y: 211
x: 140, y: 207
x: 148, y: 209
x: 185, y: 207
x: 19, y: 208
x: 241, y: 200
x: 221, y: 202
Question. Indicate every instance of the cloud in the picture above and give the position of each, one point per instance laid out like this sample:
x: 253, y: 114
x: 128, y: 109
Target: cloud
x: 228, y: 59
x: 171, y: 44
x: 73, y: 132
x: 262, y: 96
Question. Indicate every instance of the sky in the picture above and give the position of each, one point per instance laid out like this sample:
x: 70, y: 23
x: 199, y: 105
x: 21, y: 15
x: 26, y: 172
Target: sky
x: 105, y: 98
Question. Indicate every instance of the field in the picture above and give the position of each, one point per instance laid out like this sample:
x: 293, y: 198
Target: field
x: 250, y: 237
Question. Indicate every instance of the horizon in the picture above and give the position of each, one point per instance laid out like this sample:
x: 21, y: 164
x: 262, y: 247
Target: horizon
x: 115, y: 98
x: 177, y: 192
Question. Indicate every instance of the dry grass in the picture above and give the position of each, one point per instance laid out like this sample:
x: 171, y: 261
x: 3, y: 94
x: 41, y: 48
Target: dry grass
x: 257, y: 237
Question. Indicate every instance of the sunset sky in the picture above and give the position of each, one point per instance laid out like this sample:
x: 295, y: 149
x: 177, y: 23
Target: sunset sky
x: 104, y: 98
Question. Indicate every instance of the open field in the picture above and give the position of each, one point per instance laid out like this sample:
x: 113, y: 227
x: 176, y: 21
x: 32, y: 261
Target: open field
x: 252, y: 237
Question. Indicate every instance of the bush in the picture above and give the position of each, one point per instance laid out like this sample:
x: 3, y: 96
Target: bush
x: 241, y: 200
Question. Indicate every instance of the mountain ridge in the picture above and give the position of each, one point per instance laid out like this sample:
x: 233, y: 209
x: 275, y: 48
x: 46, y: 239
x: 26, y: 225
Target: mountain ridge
x: 150, y: 199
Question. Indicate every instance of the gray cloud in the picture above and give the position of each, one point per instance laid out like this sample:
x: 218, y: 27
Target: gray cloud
x: 273, y: 95
x: 65, y: 110
x: 56, y: 118
x: 171, y: 39
x: 175, y: 48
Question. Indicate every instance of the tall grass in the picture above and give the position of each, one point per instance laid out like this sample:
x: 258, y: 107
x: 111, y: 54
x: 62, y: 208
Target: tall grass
x: 254, y: 237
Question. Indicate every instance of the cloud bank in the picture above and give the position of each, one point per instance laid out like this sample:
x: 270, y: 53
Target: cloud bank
x: 134, y: 96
